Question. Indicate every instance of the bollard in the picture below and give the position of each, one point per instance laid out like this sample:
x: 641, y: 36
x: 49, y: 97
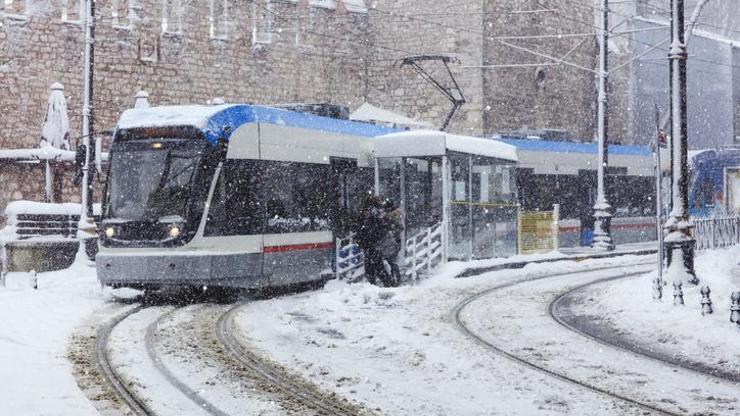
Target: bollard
x: 33, y: 279
x: 735, y: 308
x: 677, y: 293
x: 657, y: 288
x: 706, y: 303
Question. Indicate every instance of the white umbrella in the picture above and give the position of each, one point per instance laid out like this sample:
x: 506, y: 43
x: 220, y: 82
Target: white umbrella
x: 141, y: 100
x: 55, y: 131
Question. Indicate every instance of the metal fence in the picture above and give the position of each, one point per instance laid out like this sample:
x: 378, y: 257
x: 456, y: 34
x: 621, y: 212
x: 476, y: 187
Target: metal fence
x: 711, y: 233
x: 350, y: 261
x: 423, y: 251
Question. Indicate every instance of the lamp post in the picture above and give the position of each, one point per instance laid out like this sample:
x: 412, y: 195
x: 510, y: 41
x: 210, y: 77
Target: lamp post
x: 85, y: 227
x: 602, y: 209
x: 678, y: 242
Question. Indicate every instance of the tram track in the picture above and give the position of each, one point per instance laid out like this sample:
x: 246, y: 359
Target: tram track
x: 480, y: 340
x: 136, y: 404
x: 149, y: 340
x: 555, y: 307
x: 323, y: 403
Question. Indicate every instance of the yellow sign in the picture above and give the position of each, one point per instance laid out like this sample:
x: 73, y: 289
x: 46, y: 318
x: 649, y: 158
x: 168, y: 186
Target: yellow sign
x: 534, y: 231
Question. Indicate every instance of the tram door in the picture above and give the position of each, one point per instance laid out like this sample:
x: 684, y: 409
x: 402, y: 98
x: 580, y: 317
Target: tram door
x: 347, y: 180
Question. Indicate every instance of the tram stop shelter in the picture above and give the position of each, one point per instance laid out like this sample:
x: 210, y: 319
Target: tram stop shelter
x: 466, y: 184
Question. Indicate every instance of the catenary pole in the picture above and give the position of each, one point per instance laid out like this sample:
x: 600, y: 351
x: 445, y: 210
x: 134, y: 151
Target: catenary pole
x: 679, y: 243
x: 602, y: 209
x: 85, y: 228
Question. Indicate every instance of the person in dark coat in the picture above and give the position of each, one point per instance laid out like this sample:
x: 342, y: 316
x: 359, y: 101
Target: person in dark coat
x: 379, y: 235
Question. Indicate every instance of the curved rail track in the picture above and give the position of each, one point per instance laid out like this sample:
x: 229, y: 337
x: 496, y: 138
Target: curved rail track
x: 555, y: 306
x: 324, y: 403
x: 137, y: 405
x: 460, y: 324
x: 159, y: 365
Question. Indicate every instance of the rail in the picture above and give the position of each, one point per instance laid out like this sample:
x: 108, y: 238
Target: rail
x: 423, y: 251
x: 350, y: 260
x: 718, y: 232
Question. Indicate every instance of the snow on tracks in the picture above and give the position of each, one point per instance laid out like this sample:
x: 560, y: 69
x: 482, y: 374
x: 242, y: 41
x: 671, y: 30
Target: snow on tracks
x: 323, y: 403
x: 530, y: 338
x: 134, y: 370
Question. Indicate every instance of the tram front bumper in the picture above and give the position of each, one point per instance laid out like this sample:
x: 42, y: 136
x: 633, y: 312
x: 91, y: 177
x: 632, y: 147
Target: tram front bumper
x: 133, y: 270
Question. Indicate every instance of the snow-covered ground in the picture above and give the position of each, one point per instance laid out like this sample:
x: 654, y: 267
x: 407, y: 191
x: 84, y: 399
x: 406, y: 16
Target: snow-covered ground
x: 627, y: 309
x: 397, y: 350
x: 35, y: 326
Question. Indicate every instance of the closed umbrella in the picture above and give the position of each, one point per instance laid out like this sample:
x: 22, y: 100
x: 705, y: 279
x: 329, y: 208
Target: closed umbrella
x: 55, y: 131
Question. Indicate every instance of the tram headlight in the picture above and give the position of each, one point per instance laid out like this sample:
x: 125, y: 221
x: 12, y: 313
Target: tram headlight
x: 174, y: 230
x: 110, y: 232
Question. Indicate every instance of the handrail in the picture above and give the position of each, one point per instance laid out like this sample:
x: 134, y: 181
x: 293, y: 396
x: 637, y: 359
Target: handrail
x: 717, y: 232
x: 423, y: 251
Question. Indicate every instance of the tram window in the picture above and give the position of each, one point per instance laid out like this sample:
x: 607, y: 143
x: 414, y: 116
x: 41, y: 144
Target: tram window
x: 298, y: 197
x: 236, y: 206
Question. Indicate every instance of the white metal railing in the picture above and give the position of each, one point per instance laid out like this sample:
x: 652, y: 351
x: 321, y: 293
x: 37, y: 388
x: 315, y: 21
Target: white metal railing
x: 423, y: 251
x: 711, y: 233
x: 350, y: 260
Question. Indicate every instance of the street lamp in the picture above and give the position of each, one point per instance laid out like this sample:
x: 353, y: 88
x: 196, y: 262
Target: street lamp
x: 602, y: 210
x: 678, y: 242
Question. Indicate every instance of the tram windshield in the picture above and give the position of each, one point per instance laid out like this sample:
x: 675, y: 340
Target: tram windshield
x: 152, y: 179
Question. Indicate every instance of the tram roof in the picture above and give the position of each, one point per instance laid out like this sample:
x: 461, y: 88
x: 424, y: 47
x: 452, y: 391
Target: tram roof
x: 571, y: 147
x: 213, y: 120
x: 436, y: 143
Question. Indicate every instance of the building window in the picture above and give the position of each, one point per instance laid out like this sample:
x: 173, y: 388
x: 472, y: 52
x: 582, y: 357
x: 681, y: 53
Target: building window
x: 73, y: 11
x: 123, y: 13
x: 172, y: 16
x: 306, y: 18
x: 15, y: 8
x: 262, y: 17
x: 219, y: 19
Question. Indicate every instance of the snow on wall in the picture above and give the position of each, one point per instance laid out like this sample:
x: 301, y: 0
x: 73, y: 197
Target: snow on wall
x: 43, y: 153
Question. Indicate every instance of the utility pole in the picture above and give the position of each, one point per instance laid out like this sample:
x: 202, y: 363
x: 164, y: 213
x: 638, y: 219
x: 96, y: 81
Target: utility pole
x: 86, y: 228
x: 602, y: 209
x: 679, y: 244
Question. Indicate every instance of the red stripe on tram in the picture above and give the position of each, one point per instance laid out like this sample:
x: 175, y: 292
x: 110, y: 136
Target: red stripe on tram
x: 297, y: 247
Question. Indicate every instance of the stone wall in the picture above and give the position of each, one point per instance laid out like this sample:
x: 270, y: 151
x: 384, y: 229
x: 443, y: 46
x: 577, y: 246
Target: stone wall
x: 300, y: 54
x: 400, y: 28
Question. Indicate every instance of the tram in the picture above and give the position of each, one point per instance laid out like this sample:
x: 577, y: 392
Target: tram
x: 228, y: 195
x: 714, y: 187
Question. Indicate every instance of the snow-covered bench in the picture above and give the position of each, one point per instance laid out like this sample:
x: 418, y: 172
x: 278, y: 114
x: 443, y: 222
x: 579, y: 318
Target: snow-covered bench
x: 39, y: 236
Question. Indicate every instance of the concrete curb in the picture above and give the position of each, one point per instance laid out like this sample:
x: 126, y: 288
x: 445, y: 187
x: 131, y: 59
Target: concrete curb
x: 473, y: 271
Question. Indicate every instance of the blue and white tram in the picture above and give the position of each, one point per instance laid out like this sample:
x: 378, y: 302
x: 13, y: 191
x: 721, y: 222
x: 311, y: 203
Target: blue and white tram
x: 229, y: 195
x: 714, y: 188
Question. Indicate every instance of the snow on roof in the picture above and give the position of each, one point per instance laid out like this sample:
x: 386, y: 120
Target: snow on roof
x: 436, y: 143
x: 354, y: 6
x: 214, y: 120
x: 174, y: 115
x: 41, y: 153
x: 370, y: 113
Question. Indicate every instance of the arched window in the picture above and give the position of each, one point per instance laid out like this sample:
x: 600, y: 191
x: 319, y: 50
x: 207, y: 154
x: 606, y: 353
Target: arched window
x: 262, y: 18
x: 14, y: 8
x: 172, y: 16
x: 123, y: 12
x: 73, y: 11
x: 219, y: 19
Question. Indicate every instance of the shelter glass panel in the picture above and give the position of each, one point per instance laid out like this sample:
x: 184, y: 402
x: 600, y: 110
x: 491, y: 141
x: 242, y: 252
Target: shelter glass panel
x: 423, y: 193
